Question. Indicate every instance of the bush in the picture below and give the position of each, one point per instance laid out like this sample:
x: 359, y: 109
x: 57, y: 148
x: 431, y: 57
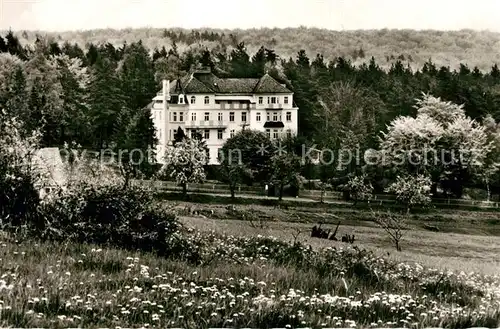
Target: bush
x: 19, y: 197
x: 122, y: 217
x: 104, y: 211
x: 359, y: 188
x: 412, y: 191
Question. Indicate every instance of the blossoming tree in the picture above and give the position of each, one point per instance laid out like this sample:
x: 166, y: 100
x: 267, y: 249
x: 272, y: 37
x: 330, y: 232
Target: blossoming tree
x: 185, y: 163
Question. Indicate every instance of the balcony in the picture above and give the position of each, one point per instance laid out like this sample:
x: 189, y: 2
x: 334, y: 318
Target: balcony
x: 214, y: 124
x: 276, y: 106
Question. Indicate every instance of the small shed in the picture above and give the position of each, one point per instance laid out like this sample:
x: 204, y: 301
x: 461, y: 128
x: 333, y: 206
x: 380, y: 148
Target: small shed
x: 53, y: 173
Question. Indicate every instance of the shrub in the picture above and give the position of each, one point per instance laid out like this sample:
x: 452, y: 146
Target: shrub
x: 359, y: 188
x: 411, y: 191
x: 18, y: 194
x: 108, y: 213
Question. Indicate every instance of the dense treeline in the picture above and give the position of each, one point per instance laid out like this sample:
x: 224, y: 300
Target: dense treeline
x: 448, y: 48
x: 94, y: 95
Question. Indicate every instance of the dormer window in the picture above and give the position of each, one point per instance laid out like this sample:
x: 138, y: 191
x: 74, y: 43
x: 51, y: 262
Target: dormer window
x: 285, y: 100
x: 193, y: 100
x: 181, y: 99
x: 207, y: 100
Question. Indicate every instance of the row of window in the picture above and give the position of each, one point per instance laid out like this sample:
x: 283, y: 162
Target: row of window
x: 270, y: 100
x: 276, y: 133
x: 276, y: 116
x: 273, y: 100
x: 220, y: 133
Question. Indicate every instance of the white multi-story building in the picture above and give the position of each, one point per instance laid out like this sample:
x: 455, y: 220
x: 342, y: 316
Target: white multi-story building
x: 219, y: 107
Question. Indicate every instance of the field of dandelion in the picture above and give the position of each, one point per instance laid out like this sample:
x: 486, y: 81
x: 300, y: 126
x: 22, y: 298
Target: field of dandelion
x: 449, y: 251
x: 251, y: 277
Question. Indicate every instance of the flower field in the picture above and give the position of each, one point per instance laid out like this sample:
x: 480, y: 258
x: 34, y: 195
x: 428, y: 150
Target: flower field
x: 234, y: 282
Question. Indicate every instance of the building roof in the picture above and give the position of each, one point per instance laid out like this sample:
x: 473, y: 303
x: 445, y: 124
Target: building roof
x: 267, y: 84
x: 50, y: 162
x: 205, y: 82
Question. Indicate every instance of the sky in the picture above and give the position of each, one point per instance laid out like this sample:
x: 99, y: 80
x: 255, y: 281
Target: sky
x: 63, y: 15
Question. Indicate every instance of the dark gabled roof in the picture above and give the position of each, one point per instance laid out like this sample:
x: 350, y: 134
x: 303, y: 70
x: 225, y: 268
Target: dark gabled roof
x: 267, y: 84
x: 207, y: 82
x: 274, y: 124
x: 237, y: 86
x: 207, y: 78
x: 195, y: 86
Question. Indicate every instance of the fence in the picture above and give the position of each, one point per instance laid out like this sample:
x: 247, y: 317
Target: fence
x: 314, y: 195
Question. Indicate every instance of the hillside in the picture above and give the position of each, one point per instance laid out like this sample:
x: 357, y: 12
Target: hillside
x: 449, y: 48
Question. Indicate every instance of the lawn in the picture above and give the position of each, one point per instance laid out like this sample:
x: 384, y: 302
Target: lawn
x: 252, y: 276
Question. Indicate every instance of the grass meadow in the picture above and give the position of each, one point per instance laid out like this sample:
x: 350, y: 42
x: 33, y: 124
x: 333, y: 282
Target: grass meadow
x: 264, y: 275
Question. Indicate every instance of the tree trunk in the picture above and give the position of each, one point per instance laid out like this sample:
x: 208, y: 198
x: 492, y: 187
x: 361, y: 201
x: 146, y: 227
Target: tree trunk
x: 127, y: 181
x: 488, y: 191
x: 184, y: 190
x: 398, y: 247
x: 232, y: 189
x: 434, y: 190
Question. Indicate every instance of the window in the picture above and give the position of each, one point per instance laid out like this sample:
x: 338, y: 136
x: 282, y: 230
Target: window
x: 231, y: 116
x: 230, y: 102
x: 275, y: 133
x: 273, y: 100
x: 261, y: 99
x: 217, y: 102
x: 193, y: 116
x: 158, y: 101
x: 268, y: 100
x: 285, y: 100
x: 207, y: 100
x: 289, y: 133
x: 268, y: 117
x: 193, y: 134
x: 206, y: 134
x: 257, y: 117
x: 181, y: 99
x: 181, y: 116
x: 268, y: 131
x: 288, y: 116
x: 193, y: 99
x: 207, y: 116
x: 175, y: 117
x: 231, y: 134
x: 243, y: 116
x: 219, y: 134
x: 220, y: 117
x: 275, y: 116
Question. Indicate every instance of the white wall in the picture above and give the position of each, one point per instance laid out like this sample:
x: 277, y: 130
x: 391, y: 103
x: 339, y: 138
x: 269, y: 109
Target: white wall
x: 213, y: 143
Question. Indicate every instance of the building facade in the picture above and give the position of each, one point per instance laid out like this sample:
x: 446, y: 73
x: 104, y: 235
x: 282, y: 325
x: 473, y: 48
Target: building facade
x: 220, y: 107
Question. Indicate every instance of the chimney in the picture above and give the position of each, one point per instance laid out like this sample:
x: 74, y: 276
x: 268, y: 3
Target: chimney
x: 166, y: 98
x: 166, y: 90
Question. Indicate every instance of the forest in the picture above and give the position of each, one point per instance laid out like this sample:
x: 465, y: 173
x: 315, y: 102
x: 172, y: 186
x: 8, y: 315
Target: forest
x: 94, y: 95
